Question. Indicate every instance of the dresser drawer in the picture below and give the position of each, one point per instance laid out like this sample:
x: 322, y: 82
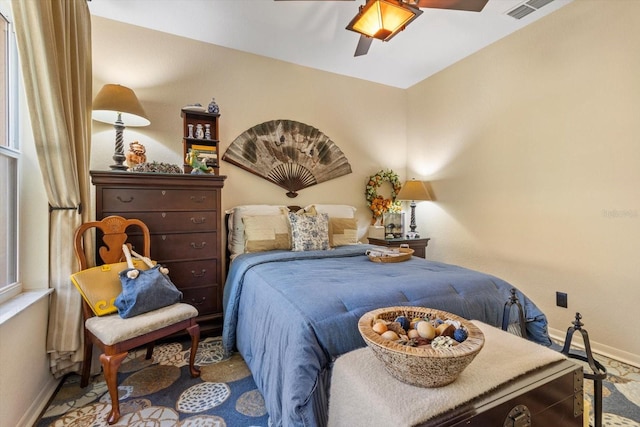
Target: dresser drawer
x: 184, y: 246
x: 175, y: 221
x: 134, y: 199
x: 189, y: 274
x: 205, y: 299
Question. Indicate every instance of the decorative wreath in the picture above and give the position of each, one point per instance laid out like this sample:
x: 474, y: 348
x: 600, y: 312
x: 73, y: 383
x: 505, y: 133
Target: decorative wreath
x: 378, y: 204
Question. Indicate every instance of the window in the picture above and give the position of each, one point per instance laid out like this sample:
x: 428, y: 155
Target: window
x: 9, y: 158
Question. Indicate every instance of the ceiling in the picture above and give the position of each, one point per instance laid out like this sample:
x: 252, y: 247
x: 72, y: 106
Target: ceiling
x: 313, y: 34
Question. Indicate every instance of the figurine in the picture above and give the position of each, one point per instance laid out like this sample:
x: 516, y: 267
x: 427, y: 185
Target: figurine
x: 197, y: 166
x: 136, y: 154
x: 199, y: 131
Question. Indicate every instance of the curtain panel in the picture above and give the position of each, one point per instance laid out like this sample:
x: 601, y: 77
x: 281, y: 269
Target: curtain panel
x: 54, y: 45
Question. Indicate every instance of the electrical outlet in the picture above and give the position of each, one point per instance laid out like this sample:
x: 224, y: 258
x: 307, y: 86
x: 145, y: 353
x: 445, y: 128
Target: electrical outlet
x: 561, y: 299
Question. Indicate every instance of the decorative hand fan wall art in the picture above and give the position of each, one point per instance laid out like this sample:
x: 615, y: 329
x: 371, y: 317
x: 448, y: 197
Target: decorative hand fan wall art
x: 290, y: 154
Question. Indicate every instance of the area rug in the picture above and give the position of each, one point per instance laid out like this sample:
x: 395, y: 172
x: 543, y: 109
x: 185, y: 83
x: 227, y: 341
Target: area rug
x: 160, y: 392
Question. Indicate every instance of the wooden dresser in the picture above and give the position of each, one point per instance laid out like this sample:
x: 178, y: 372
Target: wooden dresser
x: 184, y: 214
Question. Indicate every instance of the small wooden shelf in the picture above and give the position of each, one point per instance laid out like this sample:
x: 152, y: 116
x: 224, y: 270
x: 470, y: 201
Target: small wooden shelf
x: 209, y: 148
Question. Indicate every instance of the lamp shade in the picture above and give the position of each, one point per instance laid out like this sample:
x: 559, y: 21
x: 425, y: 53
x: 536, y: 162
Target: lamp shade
x: 382, y: 19
x: 413, y: 190
x: 116, y: 99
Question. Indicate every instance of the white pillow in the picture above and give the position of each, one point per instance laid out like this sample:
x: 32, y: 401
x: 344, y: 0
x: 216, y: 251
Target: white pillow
x: 334, y: 211
x: 235, y: 238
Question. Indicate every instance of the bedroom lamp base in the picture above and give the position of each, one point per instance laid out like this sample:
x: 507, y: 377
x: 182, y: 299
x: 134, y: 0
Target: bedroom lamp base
x: 413, y: 234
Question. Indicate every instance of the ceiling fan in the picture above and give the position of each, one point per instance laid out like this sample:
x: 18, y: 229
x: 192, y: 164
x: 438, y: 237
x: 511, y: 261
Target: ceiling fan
x: 383, y: 19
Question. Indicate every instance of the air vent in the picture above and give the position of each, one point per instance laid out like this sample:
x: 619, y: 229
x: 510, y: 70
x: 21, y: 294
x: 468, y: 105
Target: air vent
x: 527, y: 8
x: 521, y: 11
x: 537, y: 4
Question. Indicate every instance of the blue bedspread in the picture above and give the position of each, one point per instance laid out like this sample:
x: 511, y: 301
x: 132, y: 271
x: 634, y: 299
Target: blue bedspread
x: 290, y: 314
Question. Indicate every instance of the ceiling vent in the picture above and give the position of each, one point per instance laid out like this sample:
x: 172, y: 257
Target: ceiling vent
x: 526, y: 8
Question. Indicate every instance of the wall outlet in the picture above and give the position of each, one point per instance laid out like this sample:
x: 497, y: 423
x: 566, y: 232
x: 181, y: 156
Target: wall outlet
x: 561, y: 299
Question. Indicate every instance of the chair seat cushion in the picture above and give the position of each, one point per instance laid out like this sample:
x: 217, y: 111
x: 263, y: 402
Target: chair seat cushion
x: 112, y: 329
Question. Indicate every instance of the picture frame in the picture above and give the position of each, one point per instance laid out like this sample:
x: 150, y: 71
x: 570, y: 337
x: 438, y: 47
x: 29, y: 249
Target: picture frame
x: 393, y: 223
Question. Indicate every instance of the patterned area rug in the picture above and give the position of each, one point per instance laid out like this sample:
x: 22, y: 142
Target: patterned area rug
x: 620, y: 391
x: 160, y: 392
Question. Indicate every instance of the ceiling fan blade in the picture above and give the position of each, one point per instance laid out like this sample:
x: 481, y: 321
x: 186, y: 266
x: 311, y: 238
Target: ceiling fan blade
x: 363, y: 45
x: 469, y: 5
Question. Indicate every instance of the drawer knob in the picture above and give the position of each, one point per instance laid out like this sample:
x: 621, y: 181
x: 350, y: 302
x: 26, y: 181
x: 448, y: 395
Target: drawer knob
x: 121, y: 200
x: 202, y: 300
x: 194, y: 245
x: 200, y: 220
x: 200, y: 199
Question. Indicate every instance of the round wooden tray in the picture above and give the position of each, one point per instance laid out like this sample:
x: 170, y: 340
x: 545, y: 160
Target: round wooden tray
x: 404, y: 254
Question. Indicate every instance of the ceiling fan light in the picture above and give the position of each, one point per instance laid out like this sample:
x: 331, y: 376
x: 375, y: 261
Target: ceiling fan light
x: 382, y: 19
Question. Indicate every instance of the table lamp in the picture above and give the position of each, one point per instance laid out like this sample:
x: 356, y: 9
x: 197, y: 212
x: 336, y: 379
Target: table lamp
x: 119, y: 106
x: 413, y: 190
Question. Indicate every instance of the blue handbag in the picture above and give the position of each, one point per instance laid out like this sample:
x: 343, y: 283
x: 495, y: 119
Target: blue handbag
x: 144, y: 290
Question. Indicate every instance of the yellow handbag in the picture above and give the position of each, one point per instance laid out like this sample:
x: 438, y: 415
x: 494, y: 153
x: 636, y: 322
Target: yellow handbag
x: 99, y: 286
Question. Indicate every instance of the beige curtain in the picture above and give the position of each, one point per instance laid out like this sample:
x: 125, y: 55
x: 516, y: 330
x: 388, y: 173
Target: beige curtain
x: 54, y: 44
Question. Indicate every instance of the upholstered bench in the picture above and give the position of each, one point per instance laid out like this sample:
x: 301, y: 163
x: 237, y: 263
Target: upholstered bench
x: 511, y: 382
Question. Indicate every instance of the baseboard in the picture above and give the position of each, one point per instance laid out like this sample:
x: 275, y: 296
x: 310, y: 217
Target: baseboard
x: 39, y: 404
x: 598, y: 348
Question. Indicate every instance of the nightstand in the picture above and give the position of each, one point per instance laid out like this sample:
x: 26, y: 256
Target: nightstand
x: 419, y: 245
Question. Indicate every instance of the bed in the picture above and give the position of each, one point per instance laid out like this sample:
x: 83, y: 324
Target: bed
x: 291, y: 313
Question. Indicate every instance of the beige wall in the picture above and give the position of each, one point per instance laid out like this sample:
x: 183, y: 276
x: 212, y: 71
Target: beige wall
x: 532, y: 149
x: 367, y: 121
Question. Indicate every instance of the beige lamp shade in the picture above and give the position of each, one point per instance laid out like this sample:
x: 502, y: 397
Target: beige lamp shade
x: 115, y: 99
x: 413, y: 190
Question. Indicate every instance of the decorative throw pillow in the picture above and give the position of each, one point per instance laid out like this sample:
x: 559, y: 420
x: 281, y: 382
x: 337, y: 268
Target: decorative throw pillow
x: 309, y: 233
x: 343, y: 231
x: 266, y: 233
x: 236, y: 238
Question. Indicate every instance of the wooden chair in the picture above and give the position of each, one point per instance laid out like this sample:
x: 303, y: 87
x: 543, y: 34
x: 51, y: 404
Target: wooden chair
x: 114, y: 335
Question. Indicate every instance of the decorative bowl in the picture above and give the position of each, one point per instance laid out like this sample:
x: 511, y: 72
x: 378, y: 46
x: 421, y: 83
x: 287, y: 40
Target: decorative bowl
x: 421, y: 366
x: 390, y: 254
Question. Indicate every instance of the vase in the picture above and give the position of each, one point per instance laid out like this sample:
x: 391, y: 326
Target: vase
x: 199, y: 131
x: 213, y: 107
x: 190, y: 135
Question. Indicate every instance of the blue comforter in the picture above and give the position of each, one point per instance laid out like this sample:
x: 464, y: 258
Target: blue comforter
x: 290, y: 314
